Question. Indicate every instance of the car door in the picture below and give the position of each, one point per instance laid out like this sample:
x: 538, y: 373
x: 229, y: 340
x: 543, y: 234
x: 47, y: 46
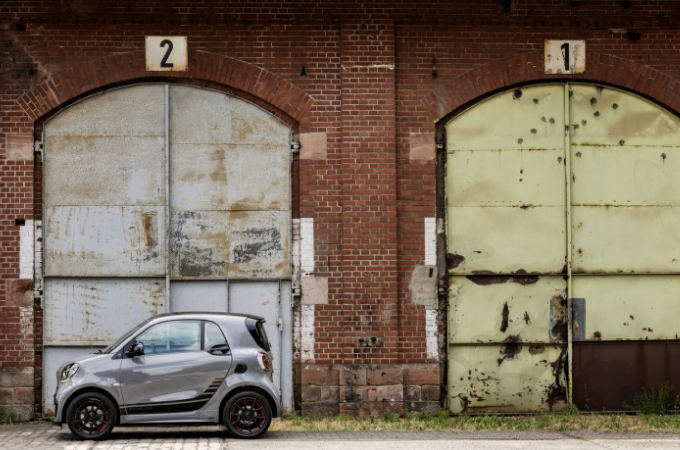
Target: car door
x: 176, y: 373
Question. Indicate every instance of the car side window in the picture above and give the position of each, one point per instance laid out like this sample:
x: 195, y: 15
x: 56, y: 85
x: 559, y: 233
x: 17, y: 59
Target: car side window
x: 213, y: 335
x: 172, y: 337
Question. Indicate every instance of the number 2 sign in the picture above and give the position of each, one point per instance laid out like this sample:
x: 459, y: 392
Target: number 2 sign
x: 565, y: 56
x: 166, y: 53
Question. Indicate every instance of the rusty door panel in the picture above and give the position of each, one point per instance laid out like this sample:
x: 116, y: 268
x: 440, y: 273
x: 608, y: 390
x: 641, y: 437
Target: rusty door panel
x: 231, y: 245
x: 525, y: 308
x: 630, y: 307
x: 518, y: 178
x: 506, y: 240
x: 626, y: 239
x: 610, y: 374
x: 526, y: 118
x: 84, y: 312
x: 235, y: 177
x: 130, y: 111
x: 96, y: 241
x: 134, y: 165
x: 202, y: 116
x: 510, y: 377
x: 606, y: 117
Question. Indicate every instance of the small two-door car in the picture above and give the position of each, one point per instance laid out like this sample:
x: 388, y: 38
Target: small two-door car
x: 177, y: 368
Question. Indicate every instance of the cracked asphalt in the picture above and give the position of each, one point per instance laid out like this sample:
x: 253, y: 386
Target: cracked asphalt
x: 50, y: 437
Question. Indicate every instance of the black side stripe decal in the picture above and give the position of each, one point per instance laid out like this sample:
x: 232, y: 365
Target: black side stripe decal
x: 191, y: 404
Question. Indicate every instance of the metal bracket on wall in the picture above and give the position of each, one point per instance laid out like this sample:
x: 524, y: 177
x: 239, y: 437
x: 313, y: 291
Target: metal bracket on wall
x: 38, y: 148
x: 295, y: 147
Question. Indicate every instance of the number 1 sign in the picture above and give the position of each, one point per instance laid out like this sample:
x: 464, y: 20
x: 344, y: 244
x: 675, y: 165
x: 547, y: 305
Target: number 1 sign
x: 165, y: 53
x: 565, y: 56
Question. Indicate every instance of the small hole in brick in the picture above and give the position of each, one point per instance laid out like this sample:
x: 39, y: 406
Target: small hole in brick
x: 20, y: 222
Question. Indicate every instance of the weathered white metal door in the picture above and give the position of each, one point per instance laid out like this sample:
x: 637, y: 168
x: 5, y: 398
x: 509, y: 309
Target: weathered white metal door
x: 163, y: 198
x: 556, y: 192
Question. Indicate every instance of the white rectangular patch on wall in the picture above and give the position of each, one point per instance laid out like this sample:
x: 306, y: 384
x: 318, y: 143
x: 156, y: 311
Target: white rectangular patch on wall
x: 430, y: 241
x: 307, y: 245
x: 26, y: 246
x: 431, y: 334
x: 167, y: 53
x: 307, y: 332
x: 565, y: 56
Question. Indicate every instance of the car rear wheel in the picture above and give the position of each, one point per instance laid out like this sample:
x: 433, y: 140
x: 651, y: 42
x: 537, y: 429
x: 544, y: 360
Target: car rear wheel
x: 247, y: 415
x: 91, y: 416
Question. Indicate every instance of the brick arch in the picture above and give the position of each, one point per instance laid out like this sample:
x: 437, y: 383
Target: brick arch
x: 79, y: 80
x: 528, y: 68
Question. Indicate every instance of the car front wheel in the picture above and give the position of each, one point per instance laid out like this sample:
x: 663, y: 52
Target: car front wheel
x: 91, y: 416
x: 247, y: 415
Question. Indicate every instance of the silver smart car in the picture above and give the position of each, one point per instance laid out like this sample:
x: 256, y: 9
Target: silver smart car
x: 178, y: 368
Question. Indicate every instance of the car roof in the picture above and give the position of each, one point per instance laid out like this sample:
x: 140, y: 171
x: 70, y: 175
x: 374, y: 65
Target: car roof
x: 208, y: 314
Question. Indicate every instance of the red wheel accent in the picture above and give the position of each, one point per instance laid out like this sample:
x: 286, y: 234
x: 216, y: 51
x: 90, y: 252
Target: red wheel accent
x: 247, y: 415
x: 91, y: 416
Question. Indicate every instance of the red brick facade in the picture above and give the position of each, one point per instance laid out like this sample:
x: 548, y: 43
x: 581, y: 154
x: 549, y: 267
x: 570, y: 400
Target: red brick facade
x: 374, y: 79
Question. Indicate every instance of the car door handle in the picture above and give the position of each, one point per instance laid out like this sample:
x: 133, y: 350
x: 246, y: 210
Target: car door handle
x: 219, y: 349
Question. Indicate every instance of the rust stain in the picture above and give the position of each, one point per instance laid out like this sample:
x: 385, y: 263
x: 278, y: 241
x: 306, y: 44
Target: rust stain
x: 597, y: 336
x: 536, y: 349
x: 147, y: 221
x: 558, y: 319
x: 454, y: 260
x: 504, y: 317
x: 557, y: 392
x: 512, y: 346
x: 482, y: 278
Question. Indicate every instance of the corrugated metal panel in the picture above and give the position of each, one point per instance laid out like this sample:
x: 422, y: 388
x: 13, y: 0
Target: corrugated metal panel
x: 508, y: 377
x: 610, y: 374
x: 95, y: 241
x: 527, y: 308
x: 235, y: 245
x: 85, y: 312
x: 630, y: 307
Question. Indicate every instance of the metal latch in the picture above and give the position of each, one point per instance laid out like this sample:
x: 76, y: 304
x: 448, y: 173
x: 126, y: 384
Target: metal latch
x: 295, y: 147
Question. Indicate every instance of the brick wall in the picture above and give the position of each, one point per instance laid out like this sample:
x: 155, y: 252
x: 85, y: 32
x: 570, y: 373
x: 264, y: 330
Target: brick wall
x: 364, y: 86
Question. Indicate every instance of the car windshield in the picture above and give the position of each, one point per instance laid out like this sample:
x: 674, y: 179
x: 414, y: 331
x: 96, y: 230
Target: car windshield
x: 124, y: 337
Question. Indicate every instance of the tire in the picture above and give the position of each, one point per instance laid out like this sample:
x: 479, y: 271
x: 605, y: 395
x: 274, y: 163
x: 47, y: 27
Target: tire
x: 247, y: 415
x: 91, y: 416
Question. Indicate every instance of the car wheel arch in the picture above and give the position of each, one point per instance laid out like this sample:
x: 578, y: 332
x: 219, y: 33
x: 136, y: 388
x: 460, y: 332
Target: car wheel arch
x: 265, y: 394
x: 85, y: 389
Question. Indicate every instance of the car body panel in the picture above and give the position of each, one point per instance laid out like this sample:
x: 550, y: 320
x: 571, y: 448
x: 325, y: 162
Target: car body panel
x: 159, y: 388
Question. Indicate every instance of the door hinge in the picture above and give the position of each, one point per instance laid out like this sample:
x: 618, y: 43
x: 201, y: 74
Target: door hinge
x: 295, y: 147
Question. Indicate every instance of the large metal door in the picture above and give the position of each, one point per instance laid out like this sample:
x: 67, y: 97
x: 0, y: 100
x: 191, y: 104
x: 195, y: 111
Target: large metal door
x: 158, y: 198
x: 557, y: 192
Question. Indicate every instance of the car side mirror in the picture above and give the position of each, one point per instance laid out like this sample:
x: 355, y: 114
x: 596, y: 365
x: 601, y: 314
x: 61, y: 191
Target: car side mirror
x: 137, y: 349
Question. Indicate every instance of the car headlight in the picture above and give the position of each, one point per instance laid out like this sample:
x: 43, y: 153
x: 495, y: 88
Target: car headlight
x: 69, y: 371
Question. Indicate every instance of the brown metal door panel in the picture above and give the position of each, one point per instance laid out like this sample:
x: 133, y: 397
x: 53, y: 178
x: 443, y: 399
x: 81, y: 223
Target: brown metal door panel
x: 608, y: 375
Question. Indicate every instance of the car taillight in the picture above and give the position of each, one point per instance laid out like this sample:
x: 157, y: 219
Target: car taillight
x: 265, y: 361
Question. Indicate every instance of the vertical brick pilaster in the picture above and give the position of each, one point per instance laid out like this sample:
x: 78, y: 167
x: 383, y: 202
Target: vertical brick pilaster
x: 369, y: 226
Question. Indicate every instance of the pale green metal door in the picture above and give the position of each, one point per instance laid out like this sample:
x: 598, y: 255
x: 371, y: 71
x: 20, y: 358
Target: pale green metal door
x: 553, y: 190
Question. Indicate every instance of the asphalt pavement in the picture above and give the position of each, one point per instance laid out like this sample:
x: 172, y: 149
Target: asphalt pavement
x: 50, y: 437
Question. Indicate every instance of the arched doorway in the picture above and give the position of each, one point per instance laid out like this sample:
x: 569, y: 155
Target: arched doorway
x: 562, y: 210
x: 163, y: 198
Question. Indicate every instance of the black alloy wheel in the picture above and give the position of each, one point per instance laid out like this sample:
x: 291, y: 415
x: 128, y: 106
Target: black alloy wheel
x: 91, y: 416
x: 247, y: 415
